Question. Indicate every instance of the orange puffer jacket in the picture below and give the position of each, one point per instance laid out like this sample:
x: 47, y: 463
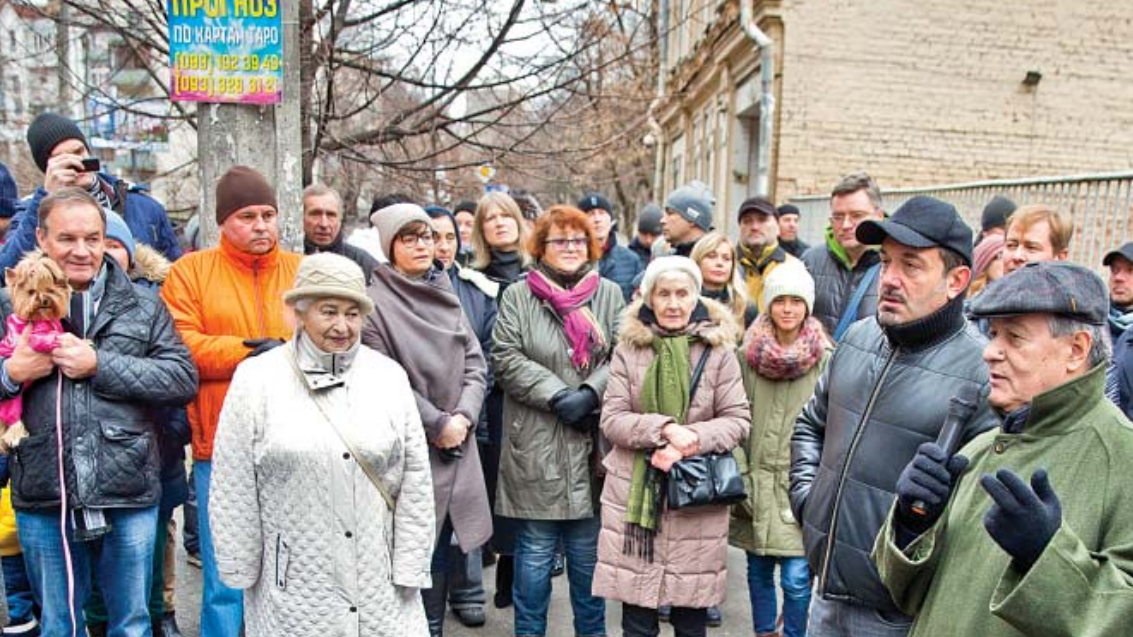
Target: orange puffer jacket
x: 219, y: 298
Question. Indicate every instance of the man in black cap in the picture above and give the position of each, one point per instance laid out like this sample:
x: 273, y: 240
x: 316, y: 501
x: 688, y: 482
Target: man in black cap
x: 758, y: 250
x: 618, y: 263
x: 1120, y: 383
x: 993, y: 220
x: 59, y: 147
x: 789, y: 230
x: 648, y: 230
x: 10, y: 202
x: 1025, y: 531
x: 885, y: 391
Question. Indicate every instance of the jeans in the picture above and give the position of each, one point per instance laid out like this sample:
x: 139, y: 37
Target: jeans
x: 21, y: 602
x: 121, y: 562
x: 95, y: 607
x: 638, y: 621
x: 222, y: 608
x: 794, y: 577
x: 832, y: 618
x: 535, y: 544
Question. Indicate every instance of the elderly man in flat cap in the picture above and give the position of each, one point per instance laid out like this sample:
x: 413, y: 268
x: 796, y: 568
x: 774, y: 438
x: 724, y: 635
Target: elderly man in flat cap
x: 1028, y: 530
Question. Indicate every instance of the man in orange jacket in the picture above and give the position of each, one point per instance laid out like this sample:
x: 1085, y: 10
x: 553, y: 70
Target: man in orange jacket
x: 226, y: 304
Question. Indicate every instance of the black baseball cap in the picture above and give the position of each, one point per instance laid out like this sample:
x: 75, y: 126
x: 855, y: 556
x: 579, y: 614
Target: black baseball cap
x: 1125, y: 252
x: 922, y: 222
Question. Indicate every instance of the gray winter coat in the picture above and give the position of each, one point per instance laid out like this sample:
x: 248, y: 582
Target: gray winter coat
x: 545, y: 470
x: 876, y: 402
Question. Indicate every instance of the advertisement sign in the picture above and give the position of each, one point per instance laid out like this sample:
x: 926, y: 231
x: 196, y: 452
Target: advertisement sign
x: 226, y: 51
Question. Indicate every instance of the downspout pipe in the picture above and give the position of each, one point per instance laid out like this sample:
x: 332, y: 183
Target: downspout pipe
x: 766, y: 97
x: 655, y: 128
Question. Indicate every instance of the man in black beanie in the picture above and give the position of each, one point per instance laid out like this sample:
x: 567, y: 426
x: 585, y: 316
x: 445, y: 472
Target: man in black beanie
x: 59, y: 147
x: 993, y: 220
x: 789, y: 230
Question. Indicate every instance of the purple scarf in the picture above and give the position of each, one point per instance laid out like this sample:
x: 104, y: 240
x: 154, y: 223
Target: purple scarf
x: 581, y: 326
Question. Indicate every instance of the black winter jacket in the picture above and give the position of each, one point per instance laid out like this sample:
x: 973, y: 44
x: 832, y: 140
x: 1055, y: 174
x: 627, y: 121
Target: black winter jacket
x: 834, y: 285
x: 882, y: 395
x: 620, y: 265
x: 110, y: 419
x: 364, y: 260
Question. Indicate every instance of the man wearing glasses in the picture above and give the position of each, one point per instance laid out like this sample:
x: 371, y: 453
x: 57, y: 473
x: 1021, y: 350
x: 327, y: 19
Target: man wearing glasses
x: 842, y: 264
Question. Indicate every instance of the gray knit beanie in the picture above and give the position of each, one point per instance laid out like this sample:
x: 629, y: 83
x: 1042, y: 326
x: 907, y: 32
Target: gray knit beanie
x: 693, y: 201
x: 391, y: 219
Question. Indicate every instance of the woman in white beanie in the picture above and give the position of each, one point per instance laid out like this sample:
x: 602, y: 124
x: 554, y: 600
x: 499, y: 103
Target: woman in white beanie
x: 648, y: 555
x: 783, y: 354
x: 322, y: 498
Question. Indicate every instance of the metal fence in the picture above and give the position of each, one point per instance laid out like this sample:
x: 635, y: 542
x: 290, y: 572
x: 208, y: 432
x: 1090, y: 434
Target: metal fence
x: 1099, y: 204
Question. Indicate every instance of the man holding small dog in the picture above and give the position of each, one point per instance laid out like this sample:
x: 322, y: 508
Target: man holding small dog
x: 61, y: 151
x: 94, y: 397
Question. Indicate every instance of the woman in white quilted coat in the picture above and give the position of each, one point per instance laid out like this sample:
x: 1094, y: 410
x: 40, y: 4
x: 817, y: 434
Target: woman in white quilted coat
x: 297, y: 521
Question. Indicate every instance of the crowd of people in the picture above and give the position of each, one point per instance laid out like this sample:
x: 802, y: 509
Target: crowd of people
x: 930, y: 426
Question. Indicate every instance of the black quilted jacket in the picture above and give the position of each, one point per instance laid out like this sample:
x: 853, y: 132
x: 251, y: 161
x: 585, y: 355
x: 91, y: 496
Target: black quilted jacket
x: 109, y: 420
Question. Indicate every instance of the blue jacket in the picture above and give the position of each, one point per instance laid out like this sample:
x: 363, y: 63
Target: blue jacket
x: 620, y: 265
x: 475, y: 292
x: 146, y: 218
x: 1123, y: 369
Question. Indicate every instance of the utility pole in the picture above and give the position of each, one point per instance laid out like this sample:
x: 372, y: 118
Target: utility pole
x: 266, y: 138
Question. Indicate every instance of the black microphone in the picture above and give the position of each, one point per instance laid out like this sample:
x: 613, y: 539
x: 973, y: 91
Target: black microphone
x: 960, y: 410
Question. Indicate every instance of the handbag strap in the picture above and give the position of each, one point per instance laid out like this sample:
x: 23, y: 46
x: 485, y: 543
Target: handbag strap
x: 851, y: 313
x: 317, y: 399
x: 698, y: 372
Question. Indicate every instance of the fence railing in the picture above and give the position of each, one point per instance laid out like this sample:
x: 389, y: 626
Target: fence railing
x: 1099, y: 204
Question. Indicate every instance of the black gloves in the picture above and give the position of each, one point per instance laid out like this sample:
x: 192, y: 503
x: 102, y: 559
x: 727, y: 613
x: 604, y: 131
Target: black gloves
x: 1022, y: 519
x: 924, y: 487
x: 261, y: 345
x: 572, y: 406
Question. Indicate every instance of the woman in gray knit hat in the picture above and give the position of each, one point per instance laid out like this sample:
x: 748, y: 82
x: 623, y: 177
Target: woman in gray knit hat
x: 421, y: 325
x: 322, y: 501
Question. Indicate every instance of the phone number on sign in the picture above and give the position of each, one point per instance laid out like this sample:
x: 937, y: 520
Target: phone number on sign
x: 225, y: 84
x: 226, y: 62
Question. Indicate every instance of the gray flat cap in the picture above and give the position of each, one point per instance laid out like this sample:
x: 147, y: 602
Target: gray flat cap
x: 1051, y: 287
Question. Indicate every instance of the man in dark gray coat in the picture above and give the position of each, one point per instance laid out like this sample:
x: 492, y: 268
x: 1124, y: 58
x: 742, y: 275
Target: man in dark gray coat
x: 90, y: 407
x: 885, y: 391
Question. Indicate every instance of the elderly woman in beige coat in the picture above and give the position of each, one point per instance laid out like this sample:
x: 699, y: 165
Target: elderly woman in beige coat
x: 322, y: 506
x: 668, y: 557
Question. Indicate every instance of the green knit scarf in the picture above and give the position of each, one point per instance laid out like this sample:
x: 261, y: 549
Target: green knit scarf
x: 665, y: 391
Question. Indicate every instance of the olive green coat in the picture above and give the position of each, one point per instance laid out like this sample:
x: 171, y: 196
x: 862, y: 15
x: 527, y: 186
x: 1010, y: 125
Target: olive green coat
x: 764, y: 524
x: 545, y: 466
x: 958, y: 581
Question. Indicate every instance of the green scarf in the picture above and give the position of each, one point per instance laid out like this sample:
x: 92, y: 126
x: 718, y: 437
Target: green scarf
x: 665, y: 391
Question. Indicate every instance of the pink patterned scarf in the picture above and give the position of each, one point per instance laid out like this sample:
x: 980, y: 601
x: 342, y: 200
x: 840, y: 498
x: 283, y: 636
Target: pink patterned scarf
x: 582, y: 327
x: 773, y: 361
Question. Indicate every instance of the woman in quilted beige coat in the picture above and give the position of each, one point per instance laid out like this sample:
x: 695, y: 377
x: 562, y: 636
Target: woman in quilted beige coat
x: 298, y: 521
x: 683, y: 561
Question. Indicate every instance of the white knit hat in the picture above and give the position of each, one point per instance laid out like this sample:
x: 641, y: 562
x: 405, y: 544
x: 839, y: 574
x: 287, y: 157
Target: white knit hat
x: 789, y: 279
x: 664, y: 265
x: 327, y: 274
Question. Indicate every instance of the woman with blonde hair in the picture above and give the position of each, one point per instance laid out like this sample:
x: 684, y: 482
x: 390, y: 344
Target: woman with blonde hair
x: 715, y: 255
x: 499, y: 239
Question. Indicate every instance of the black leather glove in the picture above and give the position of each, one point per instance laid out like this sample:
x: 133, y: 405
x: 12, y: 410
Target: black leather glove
x: 1022, y: 519
x: 572, y: 406
x: 261, y: 345
x: 924, y: 486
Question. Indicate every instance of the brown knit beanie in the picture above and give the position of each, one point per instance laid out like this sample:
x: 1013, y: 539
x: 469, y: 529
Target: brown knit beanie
x: 241, y: 187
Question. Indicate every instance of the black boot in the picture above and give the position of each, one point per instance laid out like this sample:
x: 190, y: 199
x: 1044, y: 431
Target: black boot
x: 436, y: 604
x: 96, y: 629
x: 156, y: 629
x: 505, y: 576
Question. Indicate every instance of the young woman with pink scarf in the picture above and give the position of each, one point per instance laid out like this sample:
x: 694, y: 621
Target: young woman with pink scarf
x: 782, y: 356
x: 550, y: 350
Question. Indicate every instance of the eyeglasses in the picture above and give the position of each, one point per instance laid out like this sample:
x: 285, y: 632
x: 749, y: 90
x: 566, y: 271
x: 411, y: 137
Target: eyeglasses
x: 410, y: 240
x: 856, y: 217
x: 563, y: 244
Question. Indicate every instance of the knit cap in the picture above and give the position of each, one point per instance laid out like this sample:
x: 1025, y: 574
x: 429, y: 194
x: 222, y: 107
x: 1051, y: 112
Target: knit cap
x: 9, y: 196
x: 693, y: 202
x: 117, y: 229
x: 664, y: 265
x: 440, y: 211
x: 985, y: 253
x: 391, y: 219
x: 649, y: 219
x: 788, y: 209
x: 594, y: 201
x: 996, y: 212
x: 789, y: 279
x: 45, y: 133
x: 241, y: 187
x: 326, y: 274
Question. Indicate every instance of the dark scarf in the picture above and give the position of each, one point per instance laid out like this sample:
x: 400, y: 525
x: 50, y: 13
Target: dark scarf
x: 504, y: 267
x: 773, y: 361
x: 753, y: 262
x: 928, y: 330
x: 309, y: 247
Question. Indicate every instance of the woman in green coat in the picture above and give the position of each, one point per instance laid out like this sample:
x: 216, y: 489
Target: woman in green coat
x: 783, y: 354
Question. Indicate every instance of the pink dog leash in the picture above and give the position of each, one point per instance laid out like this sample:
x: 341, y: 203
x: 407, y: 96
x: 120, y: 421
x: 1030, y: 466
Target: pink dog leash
x: 63, y: 500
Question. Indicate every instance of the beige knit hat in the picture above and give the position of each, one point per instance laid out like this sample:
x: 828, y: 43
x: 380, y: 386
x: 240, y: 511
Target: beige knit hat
x: 391, y: 219
x: 329, y: 275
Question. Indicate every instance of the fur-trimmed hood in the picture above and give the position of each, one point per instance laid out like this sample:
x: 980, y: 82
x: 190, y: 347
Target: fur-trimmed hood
x: 721, y: 328
x: 149, y: 265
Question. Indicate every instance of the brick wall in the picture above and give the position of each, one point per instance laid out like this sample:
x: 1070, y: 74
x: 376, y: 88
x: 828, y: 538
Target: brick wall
x: 921, y: 93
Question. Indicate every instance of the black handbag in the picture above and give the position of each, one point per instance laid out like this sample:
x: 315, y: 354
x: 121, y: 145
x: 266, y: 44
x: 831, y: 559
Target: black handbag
x: 704, y: 479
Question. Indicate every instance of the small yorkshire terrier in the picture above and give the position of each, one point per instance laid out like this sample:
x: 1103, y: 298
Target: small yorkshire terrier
x: 41, y: 298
